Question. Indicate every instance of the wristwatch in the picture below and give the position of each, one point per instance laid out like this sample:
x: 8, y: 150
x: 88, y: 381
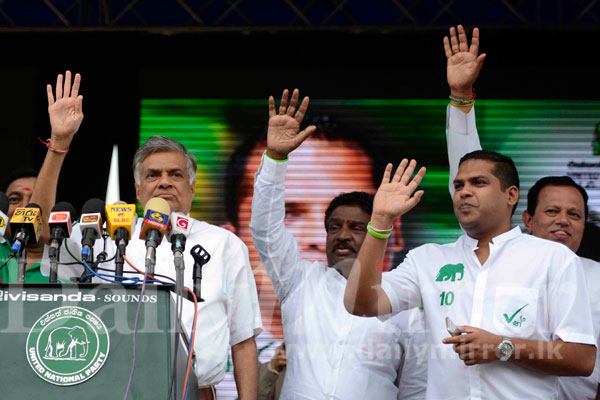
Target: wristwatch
x: 505, y: 349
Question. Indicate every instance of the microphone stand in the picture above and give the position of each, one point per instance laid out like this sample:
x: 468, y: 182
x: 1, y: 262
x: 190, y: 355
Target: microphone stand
x: 54, y: 268
x: 151, y: 244
x: 201, y: 257
x: 119, y: 261
x: 22, y: 263
x: 90, y: 263
x: 178, y: 246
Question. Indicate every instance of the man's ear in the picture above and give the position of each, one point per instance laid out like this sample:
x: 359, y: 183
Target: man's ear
x: 137, y: 191
x: 527, y: 220
x: 229, y: 226
x: 513, y: 195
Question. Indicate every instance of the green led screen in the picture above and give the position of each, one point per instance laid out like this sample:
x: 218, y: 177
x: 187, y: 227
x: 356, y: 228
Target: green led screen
x: 543, y: 138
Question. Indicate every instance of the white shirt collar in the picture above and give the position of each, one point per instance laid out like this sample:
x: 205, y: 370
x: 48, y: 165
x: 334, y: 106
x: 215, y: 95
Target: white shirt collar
x: 514, y: 232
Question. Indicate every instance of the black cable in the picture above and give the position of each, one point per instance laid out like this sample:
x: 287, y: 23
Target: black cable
x: 11, y: 257
x: 135, y: 272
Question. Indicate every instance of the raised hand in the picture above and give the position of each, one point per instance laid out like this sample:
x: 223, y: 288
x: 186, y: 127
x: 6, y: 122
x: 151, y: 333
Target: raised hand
x: 65, y: 110
x: 464, y: 61
x: 395, y: 196
x: 284, y: 135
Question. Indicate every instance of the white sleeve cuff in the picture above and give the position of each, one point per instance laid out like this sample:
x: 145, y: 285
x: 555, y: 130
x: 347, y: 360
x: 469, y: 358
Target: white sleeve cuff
x: 271, y: 171
x: 461, y: 123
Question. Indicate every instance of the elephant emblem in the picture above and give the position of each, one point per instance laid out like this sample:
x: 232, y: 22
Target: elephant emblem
x: 449, y: 271
x: 67, y: 344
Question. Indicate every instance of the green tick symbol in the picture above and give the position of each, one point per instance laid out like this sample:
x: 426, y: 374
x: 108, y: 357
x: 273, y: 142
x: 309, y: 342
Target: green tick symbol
x: 509, y: 320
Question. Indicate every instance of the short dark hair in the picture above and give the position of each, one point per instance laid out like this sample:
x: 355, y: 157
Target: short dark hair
x: 327, y: 129
x: 533, y: 196
x: 504, y: 170
x: 22, y: 172
x: 360, y: 199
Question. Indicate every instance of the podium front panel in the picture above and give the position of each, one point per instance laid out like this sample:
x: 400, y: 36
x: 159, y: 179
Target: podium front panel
x: 76, y: 341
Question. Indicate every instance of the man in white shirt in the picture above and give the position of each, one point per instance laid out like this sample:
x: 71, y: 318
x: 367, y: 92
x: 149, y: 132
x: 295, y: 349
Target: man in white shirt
x: 330, y: 353
x: 520, y: 302
x: 556, y: 206
x: 230, y: 314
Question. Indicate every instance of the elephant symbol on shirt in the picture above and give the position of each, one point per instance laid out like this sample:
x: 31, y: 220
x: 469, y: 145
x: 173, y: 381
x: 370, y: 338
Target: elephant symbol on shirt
x: 67, y: 344
x: 449, y: 271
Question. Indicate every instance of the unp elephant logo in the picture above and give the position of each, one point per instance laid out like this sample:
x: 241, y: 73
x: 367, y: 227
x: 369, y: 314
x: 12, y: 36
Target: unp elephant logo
x: 449, y: 271
x: 67, y: 344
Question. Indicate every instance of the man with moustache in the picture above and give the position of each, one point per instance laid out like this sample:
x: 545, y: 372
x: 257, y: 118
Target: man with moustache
x: 230, y: 315
x: 330, y: 354
x: 557, y: 207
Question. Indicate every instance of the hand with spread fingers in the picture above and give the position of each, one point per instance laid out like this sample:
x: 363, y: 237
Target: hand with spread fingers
x: 464, y: 61
x: 474, y: 346
x: 65, y: 110
x: 284, y: 135
x: 395, y: 196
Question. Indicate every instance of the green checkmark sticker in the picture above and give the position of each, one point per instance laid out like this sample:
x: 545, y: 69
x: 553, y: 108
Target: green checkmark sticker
x: 509, y: 320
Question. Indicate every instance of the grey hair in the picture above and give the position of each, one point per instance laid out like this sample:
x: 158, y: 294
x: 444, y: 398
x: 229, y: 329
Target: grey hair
x: 160, y: 144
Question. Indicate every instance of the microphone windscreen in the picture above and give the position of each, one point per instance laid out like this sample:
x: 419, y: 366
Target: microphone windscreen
x: 93, y: 206
x: 4, y: 204
x: 65, y: 206
x: 158, y: 204
x: 156, y: 216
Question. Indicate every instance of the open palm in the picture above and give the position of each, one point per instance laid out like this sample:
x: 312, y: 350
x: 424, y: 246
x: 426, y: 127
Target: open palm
x: 395, y: 196
x: 66, y: 111
x: 284, y: 135
x: 464, y: 61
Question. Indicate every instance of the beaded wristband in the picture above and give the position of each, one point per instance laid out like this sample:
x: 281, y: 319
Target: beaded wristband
x: 376, y: 234
x: 470, y: 103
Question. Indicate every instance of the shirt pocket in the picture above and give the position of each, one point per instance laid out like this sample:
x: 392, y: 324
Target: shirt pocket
x: 515, y: 311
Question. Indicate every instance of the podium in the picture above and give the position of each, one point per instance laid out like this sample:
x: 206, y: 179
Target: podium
x: 75, y: 341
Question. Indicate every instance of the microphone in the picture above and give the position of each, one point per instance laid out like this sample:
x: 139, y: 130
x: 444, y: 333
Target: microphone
x: 156, y: 220
x: 26, y: 225
x: 92, y: 215
x: 179, y: 230
x: 60, y: 223
x: 201, y: 257
x: 4, y: 204
x: 120, y: 222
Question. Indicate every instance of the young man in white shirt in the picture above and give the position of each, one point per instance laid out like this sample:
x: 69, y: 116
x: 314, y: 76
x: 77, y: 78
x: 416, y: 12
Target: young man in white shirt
x: 557, y: 207
x: 330, y: 353
x: 520, y: 302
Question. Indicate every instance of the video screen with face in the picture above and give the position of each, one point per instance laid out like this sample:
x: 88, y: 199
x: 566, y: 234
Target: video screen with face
x: 355, y: 140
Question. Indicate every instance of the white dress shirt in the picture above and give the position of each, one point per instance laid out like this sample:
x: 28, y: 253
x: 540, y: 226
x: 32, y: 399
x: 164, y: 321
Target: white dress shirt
x: 462, y: 138
x: 528, y: 288
x: 230, y: 313
x: 330, y: 353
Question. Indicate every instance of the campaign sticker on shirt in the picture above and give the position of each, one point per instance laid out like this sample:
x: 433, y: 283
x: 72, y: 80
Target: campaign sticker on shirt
x: 67, y: 345
x: 515, y: 310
